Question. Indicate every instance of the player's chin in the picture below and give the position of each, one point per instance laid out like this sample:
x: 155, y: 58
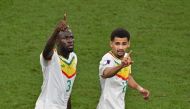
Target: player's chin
x: 120, y: 54
x: 70, y: 49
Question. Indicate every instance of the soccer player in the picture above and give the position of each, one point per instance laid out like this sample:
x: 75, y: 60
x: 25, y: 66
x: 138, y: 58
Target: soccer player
x: 58, y: 62
x: 115, y: 73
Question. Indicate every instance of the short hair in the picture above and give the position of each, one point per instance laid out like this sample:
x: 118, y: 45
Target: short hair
x: 121, y: 33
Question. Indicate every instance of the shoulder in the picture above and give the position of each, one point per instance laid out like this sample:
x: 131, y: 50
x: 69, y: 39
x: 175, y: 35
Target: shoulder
x: 107, y: 56
x: 54, y: 55
x: 73, y: 54
x: 106, y: 59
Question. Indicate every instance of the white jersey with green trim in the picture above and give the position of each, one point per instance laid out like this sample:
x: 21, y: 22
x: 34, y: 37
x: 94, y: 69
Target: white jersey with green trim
x: 58, y: 78
x: 113, y: 89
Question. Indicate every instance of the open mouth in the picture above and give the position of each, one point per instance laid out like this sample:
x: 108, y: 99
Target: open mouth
x: 120, y: 52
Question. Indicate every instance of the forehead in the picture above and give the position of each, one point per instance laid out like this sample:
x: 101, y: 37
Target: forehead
x: 65, y: 34
x: 118, y: 39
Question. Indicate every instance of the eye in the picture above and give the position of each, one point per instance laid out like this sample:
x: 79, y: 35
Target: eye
x: 117, y: 43
x: 63, y: 37
x: 125, y: 43
x: 71, y: 37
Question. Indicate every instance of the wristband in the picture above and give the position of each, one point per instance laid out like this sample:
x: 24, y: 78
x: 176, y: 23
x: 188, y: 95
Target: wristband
x: 139, y: 88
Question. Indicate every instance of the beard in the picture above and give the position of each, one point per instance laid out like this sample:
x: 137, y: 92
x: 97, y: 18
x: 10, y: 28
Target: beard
x: 65, y: 49
x: 120, y: 53
x: 70, y: 49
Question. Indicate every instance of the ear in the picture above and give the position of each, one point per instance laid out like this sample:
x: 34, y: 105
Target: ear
x: 57, y: 38
x: 111, y: 44
x: 129, y: 44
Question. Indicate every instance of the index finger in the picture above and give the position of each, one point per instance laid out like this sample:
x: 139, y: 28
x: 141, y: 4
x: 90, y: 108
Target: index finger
x: 65, y: 16
x: 129, y: 54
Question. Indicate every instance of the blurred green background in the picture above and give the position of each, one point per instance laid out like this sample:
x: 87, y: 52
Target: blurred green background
x: 160, y: 42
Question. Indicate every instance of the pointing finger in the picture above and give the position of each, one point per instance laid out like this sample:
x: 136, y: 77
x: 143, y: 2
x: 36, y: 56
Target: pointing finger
x: 65, y: 16
x: 129, y: 54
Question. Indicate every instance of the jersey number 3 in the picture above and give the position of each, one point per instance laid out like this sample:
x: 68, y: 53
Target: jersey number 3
x: 68, y: 85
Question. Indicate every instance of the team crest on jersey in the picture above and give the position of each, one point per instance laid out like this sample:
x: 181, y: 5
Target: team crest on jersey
x: 106, y: 62
x: 68, y: 68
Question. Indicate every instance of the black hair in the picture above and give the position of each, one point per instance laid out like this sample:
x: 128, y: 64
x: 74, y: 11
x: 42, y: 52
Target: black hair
x: 121, y: 33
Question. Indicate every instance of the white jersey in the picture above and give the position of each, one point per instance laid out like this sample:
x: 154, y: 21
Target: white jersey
x: 58, y: 78
x: 113, y: 89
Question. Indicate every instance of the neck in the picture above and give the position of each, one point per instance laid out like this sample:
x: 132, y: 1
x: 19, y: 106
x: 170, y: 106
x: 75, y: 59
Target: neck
x: 64, y: 53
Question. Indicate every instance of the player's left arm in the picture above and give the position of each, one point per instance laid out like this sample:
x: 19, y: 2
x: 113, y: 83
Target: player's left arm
x: 69, y: 103
x: 133, y: 84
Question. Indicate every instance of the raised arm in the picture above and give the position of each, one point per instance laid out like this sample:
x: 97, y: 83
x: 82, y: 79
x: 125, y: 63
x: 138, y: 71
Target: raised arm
x: 48, y: 49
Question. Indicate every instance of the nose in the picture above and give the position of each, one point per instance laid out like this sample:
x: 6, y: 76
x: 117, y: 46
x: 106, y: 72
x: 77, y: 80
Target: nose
x: 70, y: 40
x: 120, y: 47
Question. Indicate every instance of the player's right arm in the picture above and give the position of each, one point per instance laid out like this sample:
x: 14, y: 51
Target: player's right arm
x: 111, y: 71
x: 48, y: 49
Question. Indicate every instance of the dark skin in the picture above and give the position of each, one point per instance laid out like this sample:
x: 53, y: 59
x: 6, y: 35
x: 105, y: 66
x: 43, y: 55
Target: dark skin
x: 69, y: 103
x: 48, y: 50
x: 64, y: 43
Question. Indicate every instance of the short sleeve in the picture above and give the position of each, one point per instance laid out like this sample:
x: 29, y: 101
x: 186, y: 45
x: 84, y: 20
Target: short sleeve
x: 45, y: 63
x: 106, y: 62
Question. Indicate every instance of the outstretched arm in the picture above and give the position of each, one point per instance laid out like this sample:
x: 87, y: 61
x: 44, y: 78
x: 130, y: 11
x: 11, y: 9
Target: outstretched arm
x: 133, y: 84
x: 48, y: 50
